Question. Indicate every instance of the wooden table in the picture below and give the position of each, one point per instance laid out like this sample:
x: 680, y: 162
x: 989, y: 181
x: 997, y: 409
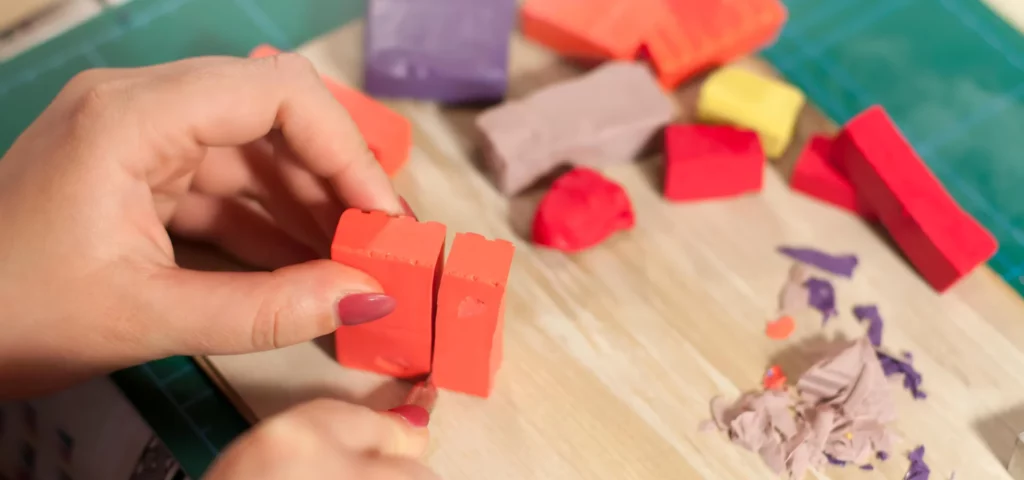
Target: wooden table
x: 612, y: 355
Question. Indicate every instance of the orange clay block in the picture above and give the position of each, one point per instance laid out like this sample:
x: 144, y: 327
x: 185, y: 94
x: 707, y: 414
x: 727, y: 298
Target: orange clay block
x: 405, y: 257
x: 665, y: 43
x: 591, y: 29
x: 713, y: 33
x: 387, y: 134
x: 471, y: 314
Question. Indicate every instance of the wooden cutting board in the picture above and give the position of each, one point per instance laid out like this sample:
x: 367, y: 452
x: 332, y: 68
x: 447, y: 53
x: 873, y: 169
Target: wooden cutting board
x: 612, y: 355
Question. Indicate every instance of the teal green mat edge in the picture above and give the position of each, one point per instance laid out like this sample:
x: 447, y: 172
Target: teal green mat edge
x: 184, y: 408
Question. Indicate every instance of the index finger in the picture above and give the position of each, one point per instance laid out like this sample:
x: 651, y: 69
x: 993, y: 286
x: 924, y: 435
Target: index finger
x: 237, y: 101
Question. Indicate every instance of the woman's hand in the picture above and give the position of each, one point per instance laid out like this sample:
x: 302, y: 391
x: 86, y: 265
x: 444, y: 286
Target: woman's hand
x: 329, y: 439
x: 253, y: 155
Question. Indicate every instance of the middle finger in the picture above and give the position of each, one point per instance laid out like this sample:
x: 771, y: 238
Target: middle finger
x: 254, y: 172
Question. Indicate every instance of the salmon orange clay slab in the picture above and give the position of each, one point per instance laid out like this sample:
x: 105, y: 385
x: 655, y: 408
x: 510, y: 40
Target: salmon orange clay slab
x: 587, y: 29
x: 405, y: 256
x: 471, y: 314
x: 387, y: 133
x: 715, y: 32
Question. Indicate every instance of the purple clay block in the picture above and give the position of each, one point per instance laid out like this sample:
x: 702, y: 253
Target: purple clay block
x: 882, y: 455
x: 444, y: 50
x: 869, y: 313
x: 918, y: 470
x: 911, y: 377
x: 842, y: 265
x: 822, y: 296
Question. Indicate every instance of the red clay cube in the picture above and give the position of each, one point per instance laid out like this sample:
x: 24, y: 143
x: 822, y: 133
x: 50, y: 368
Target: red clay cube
x: 711, y: 161
x: 817, y: 175
x: 941, y: 240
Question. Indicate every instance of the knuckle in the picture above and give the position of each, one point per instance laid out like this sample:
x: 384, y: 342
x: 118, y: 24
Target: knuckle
x: 85, y: 79
x: 290, y: 63
x: 283, y: 319
x: 270, y: 317
x: 98, y: 99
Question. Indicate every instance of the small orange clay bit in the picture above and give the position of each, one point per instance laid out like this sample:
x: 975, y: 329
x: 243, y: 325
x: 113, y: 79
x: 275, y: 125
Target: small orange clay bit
x: 780, y: 329
x: 774, y: 379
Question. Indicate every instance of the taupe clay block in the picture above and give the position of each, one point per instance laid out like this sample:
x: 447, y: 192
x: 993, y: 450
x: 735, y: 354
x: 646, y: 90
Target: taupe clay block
x: 604, y: 117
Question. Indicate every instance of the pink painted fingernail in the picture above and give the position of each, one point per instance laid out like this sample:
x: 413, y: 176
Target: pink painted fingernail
x: 416, y: 415
x: 357, y: 308
x: 408, y: 209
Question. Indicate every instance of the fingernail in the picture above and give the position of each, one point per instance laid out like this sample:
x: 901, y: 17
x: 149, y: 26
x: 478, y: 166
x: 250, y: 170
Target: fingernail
x: 357, y: 308
x: 408, y: 209
x: 423, y: 394
x: 416, y: 415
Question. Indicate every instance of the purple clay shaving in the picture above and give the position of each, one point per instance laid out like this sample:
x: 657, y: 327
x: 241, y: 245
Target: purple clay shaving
x: 867, y: 467
x: 882, y: 455
x: 842, y: 265
x: 918, y: 470
x: 911, y: 377
x: 870, y: 314
x: 835, y: 461
x: 822, y: 297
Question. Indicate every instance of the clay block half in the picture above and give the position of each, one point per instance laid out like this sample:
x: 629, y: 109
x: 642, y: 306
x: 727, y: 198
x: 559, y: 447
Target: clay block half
x: 471, y: 314
x: 404, y: 256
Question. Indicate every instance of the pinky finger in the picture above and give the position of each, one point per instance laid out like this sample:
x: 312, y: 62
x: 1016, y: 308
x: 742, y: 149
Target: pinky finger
x: 238, y: 228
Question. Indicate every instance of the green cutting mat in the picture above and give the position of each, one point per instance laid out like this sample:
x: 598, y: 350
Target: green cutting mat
x: 949, y: 72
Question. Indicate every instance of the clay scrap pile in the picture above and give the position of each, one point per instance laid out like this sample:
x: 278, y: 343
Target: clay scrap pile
x: 840, y: 413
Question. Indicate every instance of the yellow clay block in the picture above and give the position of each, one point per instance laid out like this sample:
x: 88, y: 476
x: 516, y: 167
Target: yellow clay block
x: 739, y: 97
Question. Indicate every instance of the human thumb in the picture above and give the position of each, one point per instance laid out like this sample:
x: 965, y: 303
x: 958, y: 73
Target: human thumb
x: 219, y: 313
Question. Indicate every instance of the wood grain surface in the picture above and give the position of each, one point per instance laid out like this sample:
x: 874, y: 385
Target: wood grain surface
x: 612, y: 355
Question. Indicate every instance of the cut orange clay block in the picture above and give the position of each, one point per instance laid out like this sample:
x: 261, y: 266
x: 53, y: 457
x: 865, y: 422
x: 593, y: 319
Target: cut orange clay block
x: 710, y: 33
x: 471, y: 314
x: 780, y: 329
x: 590, y: 29
x: 387, y: 133
x: 405, y: 256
